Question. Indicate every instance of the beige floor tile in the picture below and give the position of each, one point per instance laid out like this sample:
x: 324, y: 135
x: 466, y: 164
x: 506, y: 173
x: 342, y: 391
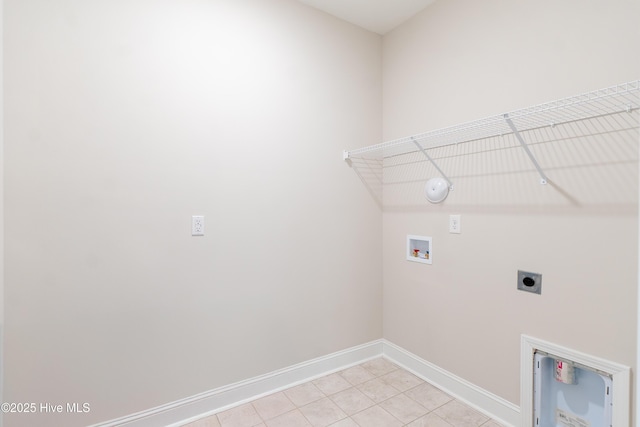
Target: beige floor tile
x: 332, y: 384
x: 401, y: 379
x: 429, y: 420
x: 323, y: 413
x: 376, y: 417
x: 352, y: 400
x: 273, y: 405
x: 347, y: 422
x: 211, y: 421
x: 241, y: 416
x: 460, y: 415
x: 371, y: 393
x: 356, y: 375
x: 379, y: 366
x: 404, y: 408
x: 377, y: 390
x: 428, y: 396
x: 290, y: 419
x: 304, y: 394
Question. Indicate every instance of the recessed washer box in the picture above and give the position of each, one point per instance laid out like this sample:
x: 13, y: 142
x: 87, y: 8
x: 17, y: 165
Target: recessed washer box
x: 419, y: 249
x: 562, y: 387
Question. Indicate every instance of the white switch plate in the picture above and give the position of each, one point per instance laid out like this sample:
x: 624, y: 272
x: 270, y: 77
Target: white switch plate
x: 454, y: 224
x: 197, y: 225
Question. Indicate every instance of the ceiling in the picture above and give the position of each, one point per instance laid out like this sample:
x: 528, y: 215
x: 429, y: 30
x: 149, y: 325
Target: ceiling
x: 379, y: 16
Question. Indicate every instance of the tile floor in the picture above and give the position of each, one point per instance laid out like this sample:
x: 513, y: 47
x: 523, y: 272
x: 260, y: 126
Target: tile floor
x: 376, y: 393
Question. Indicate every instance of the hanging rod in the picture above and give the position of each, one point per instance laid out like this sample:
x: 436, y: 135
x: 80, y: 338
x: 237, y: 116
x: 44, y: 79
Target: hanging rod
x: 620, y: 98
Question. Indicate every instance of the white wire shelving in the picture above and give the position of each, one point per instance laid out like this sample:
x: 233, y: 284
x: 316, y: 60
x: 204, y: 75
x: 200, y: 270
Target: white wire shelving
x: 604, y: 121
x: 602, y: 102
x: 557, y: 141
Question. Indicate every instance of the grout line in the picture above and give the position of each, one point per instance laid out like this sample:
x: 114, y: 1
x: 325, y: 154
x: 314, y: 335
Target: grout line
x: 375, y: 376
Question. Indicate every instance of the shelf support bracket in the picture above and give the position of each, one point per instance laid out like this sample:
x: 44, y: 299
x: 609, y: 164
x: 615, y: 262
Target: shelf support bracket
x: 525, y: 147
x: 432, y: 162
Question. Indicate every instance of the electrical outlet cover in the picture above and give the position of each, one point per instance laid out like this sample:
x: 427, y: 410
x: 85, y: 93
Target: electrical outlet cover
x: 454, y: 224
x: 197, y: 225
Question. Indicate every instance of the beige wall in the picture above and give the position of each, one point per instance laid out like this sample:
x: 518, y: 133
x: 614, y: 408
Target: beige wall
x: 1, y: 175
x: 464, y: 60
x: 123, y: 119
x: 1, y: 207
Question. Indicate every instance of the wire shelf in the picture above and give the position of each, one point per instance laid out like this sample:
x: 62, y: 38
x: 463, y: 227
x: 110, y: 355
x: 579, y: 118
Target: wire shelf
x: 602, y: 102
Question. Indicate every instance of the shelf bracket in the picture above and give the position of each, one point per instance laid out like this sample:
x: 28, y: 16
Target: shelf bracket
x: 525, y: 147
x: 432, y: 162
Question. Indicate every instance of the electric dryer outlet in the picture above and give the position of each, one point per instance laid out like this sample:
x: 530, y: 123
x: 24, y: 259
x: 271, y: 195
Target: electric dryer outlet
x: 530, y: 282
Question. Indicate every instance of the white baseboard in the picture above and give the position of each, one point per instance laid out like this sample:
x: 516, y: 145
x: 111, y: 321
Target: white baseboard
x: 202, y: 405
x: 482, y: 400
x: 193, y: 408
